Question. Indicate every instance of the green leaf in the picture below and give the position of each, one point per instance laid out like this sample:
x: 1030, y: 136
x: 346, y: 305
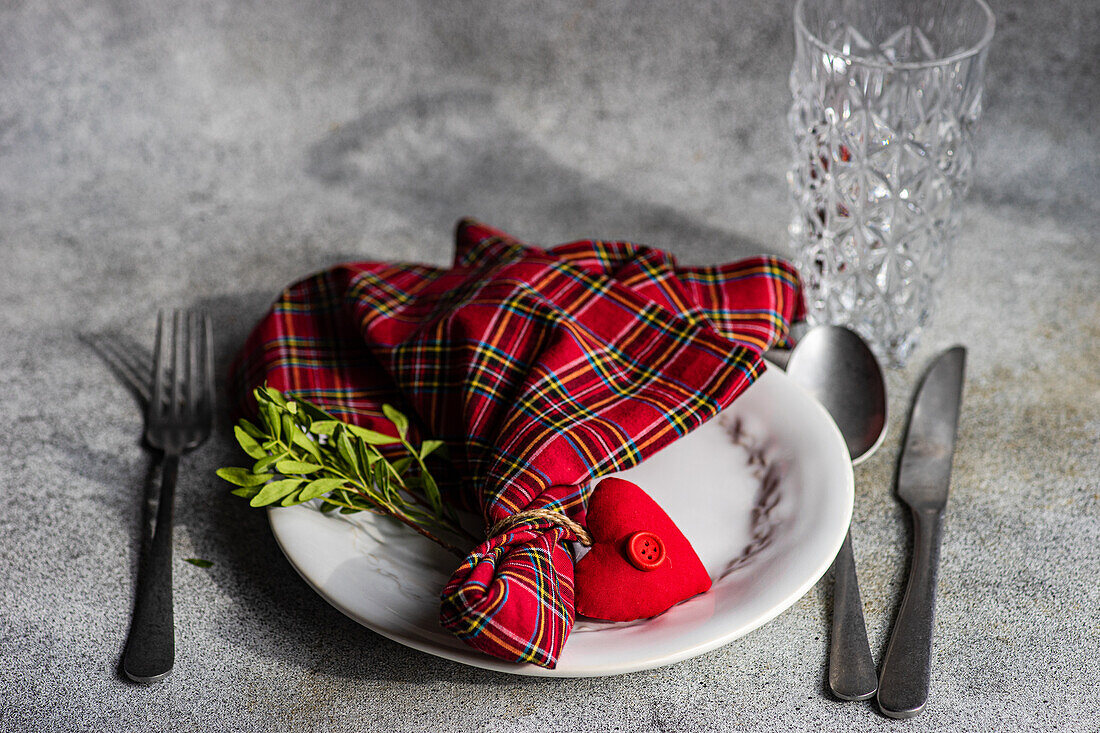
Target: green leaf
x: 248, y: 443
x: 431, y: 491
x: 347, y: 452
x: 288, y: 427
x: 360, y: 502
x: 246, y: 491
x: 251, y: 429
x: 368, y: 454
x: 379, y: 479
x: 320, y: 487
x: 242, y: 476
x: 373, y: 437
x: 323, y: 427
x: 273, y: 395
x: 302, y: 441
x: 313, y: 412
x: 264, y: 464
x: 344, y: 468
x: 399, y: 421
x: 362, y: 456
x: 272, y: 419
x: 198, y: 562
x: 429, y: 446
x: 275, y: 491
x: 287, y: 467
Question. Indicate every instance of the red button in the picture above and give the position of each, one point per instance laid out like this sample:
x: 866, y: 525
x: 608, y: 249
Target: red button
x: 645, y: 550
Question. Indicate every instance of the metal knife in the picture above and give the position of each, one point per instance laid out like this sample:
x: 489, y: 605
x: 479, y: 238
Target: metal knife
x: 923, y: 478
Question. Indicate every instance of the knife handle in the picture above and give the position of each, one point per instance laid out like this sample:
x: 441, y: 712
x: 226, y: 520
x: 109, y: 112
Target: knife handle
x: 906, y: 669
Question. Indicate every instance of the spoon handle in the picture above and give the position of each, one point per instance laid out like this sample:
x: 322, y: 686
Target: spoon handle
x: 851, y: 669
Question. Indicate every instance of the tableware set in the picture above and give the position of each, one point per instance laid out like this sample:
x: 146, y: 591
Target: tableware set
x: 832, y: 363
x: 886, y: 99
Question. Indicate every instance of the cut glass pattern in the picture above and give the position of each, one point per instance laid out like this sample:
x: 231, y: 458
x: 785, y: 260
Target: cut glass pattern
x: 882, y: 158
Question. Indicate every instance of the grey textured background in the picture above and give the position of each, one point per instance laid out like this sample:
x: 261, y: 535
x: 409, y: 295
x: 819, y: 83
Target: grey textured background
x: 208, y: 153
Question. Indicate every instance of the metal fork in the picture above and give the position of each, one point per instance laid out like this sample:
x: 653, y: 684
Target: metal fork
x: 180, y: 416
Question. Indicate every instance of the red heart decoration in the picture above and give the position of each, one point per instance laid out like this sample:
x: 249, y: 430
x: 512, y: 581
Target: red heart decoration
x: 610, y: 585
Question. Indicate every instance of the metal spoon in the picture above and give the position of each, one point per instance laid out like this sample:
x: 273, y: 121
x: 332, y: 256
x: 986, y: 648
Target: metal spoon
x: 837, y: 368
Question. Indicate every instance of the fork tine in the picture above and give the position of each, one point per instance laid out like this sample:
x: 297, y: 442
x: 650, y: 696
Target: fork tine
x: 194, y: 363
x: 181, y: 412
x: 208, y: 367
x: 179, y: 359
x: 187, y: 390
x: 157, y: 400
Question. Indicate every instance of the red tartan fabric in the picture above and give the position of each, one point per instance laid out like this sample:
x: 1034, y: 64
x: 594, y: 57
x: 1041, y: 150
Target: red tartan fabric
x: 540, y: 369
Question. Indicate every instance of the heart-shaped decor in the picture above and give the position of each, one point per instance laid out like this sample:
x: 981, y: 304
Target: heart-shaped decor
x: 640, y: 564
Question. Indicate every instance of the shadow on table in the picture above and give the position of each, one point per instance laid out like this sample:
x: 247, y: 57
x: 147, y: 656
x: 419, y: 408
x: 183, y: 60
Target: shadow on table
x: 434, y: 158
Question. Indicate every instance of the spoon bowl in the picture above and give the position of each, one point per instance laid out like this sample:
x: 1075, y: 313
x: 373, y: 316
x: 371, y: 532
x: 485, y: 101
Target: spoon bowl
x: 835, y: 365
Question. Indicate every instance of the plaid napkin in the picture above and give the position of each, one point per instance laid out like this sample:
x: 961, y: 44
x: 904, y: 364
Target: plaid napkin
x: 540, y: 369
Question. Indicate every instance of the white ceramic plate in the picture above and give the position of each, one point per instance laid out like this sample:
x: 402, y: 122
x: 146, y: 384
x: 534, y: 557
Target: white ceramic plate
x: 763, y: 492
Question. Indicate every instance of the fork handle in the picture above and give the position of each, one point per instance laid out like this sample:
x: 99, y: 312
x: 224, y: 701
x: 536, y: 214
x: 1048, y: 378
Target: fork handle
x: 151, y: 647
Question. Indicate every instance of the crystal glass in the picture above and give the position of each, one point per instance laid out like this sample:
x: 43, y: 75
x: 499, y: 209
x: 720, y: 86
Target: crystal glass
x: 887, y: 96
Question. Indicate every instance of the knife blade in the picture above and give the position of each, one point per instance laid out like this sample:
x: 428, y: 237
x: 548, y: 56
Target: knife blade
x: 924, y: 474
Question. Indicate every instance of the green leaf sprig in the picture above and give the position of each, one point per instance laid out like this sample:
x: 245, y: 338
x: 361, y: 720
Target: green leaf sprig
x: 302, y: 453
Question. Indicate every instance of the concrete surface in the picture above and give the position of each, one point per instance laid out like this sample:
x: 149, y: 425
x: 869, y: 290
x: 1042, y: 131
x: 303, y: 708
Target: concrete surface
x: 208, y: 153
